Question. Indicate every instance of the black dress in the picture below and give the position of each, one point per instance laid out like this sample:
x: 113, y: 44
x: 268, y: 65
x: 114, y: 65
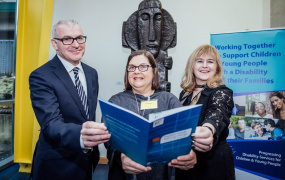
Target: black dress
x: 218, y: 163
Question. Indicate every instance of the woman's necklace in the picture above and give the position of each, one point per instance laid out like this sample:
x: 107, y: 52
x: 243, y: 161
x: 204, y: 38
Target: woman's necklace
x: 138, y: 104
x: 200, y: 86
x: 195, y: 99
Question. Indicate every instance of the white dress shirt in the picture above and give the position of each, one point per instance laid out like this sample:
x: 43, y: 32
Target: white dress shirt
x: 69, y: 68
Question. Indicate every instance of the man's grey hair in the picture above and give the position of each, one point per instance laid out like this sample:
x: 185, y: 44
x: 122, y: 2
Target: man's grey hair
x: 69, y: 22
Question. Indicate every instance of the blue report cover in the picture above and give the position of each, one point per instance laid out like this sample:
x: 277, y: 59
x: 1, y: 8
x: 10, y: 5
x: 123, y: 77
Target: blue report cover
x: 157, y: 140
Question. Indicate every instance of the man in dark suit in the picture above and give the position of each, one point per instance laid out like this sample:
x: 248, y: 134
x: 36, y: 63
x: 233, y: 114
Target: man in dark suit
x: 69, y: 136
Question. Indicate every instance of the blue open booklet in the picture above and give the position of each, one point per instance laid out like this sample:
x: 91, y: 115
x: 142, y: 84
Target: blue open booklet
x: 159, y: 139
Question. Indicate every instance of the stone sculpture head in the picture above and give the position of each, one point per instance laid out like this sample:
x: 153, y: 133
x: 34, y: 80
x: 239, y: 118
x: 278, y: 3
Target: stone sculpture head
x: 150, y: 27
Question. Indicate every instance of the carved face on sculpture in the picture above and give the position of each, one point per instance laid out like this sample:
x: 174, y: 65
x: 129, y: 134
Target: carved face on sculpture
x: 153, y: 29
x: 150, y: 29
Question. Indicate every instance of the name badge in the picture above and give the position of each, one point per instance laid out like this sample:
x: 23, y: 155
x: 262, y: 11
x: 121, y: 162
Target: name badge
x: 151, y: 104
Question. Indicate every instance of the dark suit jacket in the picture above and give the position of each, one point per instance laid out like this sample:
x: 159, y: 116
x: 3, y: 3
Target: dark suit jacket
x: 60, y: 113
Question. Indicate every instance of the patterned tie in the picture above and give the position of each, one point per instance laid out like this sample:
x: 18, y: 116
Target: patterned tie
x: 81, y: 91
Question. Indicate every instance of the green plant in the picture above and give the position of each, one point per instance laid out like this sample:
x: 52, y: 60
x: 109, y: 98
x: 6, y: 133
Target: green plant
x: 6, y: 87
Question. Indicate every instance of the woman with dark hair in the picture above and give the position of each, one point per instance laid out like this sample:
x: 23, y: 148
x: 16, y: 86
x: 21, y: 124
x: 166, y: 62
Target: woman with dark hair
x: 141, y: 86
x: 278, y: 108
x: 203, y: 84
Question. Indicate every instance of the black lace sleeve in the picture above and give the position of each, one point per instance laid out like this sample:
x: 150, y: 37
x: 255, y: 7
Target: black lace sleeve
x: 219, y: 110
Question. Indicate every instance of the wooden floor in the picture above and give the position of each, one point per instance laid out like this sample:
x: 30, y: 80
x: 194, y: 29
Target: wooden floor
x: 11, y: 173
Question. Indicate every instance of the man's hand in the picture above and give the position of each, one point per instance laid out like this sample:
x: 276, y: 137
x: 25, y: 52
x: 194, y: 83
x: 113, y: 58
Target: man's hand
x: 94, y: 133
x: 185, y: 162
x: 131, y: 167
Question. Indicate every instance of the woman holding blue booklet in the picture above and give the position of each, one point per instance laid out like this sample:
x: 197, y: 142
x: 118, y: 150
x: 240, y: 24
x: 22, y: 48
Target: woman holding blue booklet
x: 142, y: 96
x: 203, y: 84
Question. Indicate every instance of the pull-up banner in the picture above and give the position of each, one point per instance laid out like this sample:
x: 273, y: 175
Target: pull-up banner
x: 253, y: 61
x: 254, y: 68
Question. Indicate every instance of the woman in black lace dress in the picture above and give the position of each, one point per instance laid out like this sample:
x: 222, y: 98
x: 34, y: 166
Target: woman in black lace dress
x: 203, y: 84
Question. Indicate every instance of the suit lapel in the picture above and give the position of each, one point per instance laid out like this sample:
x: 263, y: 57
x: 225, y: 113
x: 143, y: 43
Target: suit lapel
x: 62, y: 74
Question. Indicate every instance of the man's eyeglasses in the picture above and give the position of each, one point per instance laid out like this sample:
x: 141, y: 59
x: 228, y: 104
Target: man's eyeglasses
x: 142, y: 68
x: 69, y: 40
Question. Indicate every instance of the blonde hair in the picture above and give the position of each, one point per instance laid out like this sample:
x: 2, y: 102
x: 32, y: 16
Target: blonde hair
x: 188, y: 81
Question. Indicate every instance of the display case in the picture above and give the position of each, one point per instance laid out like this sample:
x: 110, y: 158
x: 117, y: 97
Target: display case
x: 7, y: 79
x: 6, y: 134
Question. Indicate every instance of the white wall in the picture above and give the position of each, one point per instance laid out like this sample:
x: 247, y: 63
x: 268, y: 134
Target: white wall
x: 102, y: 22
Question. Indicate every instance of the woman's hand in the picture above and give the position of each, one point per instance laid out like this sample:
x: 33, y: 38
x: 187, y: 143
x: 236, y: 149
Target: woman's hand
x: 203, y: 138
x: 185, y: 162
x: 131, y: 167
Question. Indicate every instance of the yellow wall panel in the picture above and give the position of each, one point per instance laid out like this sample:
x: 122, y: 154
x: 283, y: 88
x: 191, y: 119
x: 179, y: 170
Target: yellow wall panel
x: 33, y: 40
